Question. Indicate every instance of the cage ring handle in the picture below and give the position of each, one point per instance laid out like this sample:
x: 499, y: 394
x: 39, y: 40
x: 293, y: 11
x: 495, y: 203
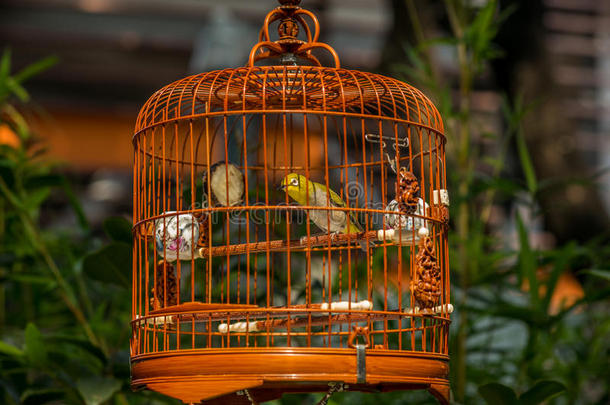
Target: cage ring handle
x: 304, y: 51
x: 274, y: 49
x: 311, y: 57
x: 316, y: 24
x: 288, y: 42
x: 308, y: 47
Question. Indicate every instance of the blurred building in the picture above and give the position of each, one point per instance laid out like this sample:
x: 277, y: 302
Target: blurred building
x: 113, y: 54
x: 579, y: 44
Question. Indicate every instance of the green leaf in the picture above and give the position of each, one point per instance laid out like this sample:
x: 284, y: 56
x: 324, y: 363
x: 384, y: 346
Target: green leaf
x: 9, y: 194
x: 17, y: 122
x: 505, y: 186
x: 498, y: 394
x: 527, y: 262
x: 5, y: 67
x: 438, y: 41
x: 97, y: 389
x: 80, y: 343
x: 111, y: 264
x: 57, y: 180
x: 541, y: 392
x: 560, y: 263
x: 506, y: 310
x: 605, y: 274
x: 5, y: 63
x: 35, y: 348
x: 35, y: 199
x: 75, y: 204
x: 30, y: 278
x: 41, y: 396
x: 35, y: 68
x: 526, y: 162
x: 118, y: 229
x: 17, y: 89
x: 10, y: 350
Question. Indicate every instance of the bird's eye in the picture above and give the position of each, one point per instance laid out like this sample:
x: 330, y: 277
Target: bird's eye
x: 295, y: 182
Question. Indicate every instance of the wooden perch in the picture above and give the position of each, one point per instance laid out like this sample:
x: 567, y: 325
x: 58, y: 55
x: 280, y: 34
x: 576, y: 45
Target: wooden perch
x: 441, y: 309
x: 297, y: 321
x: 190, y: 311
x: 281, y: 245
x: 364, y: 305
x: 259, y: 326
x: 403, y: 237
x: 194, y: 306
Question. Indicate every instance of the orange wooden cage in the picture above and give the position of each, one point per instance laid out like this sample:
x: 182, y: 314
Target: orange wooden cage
x: 240, y: 292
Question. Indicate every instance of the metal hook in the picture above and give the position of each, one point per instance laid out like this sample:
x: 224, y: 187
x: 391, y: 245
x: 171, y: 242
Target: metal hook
x: 382, y: 139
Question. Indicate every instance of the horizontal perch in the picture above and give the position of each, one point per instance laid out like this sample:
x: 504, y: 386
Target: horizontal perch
x: 441, y: 309
x: 159, y: 320
x: 166, y: 315
x: 283, y: 245
x: 393, y: 235
x: 279, y: 323
x: 339, y: 306
x: 258, y: 326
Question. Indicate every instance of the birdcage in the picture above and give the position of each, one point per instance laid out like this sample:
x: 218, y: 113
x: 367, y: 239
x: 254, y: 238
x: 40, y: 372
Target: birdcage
x: 290, y: 229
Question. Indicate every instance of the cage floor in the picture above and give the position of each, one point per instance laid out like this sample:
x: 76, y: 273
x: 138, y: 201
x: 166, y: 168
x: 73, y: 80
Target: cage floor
x: 219, y: 374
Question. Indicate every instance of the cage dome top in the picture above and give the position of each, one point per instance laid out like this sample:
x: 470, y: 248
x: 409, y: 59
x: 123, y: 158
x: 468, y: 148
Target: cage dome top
x: 288, y: 84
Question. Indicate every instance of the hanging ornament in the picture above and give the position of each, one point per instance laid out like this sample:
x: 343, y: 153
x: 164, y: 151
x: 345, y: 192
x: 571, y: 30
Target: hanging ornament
x: 176, y: 236
x: 407, y: 188
x: 165, y: 277
x: 426, y: 283
x: 397, y: 220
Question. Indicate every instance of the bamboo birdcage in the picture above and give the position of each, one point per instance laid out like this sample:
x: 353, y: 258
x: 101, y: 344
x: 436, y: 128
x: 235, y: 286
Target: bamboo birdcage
x: 241, y: 300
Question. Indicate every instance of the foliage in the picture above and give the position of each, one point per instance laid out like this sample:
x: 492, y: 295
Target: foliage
x: 63, y: 334
x: 508, y: 331
x: 498, y: 394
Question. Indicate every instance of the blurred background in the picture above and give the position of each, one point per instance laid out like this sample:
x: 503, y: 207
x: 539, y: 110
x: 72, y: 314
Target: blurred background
x: 114, y: 54
x: 523, y: 86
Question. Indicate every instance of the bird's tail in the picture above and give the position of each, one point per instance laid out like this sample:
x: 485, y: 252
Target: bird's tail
x: 362, y: 242
x: 364, y: 246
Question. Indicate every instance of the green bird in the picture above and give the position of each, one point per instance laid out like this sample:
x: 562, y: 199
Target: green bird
x: 296, y: 185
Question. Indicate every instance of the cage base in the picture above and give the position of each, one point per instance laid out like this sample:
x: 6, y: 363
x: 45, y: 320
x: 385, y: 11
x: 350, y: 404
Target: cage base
x: 217, y: 375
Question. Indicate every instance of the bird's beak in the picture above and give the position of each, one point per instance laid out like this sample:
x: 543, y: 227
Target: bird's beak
x: 281, y: 187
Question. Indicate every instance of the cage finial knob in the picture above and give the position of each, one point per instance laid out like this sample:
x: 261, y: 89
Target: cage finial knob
x: 289, y: 2
x: 288, y: 28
